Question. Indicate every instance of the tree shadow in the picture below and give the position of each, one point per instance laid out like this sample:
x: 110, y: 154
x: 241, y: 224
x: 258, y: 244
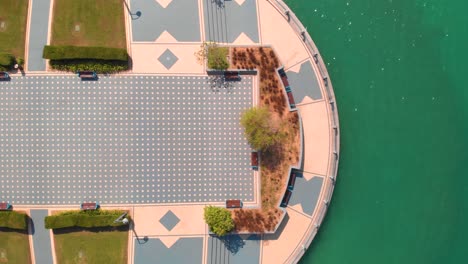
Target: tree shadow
x: 232, y: 243
x: 219, y: 3
x: 218, y: 82
x: 271, y: 156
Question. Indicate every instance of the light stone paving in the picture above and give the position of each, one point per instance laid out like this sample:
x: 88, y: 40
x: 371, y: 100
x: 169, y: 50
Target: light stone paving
x: 123, y: 140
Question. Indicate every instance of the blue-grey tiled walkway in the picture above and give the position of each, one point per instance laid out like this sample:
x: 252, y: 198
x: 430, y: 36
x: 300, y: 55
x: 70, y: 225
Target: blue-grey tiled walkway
x: 39, y: 27
x: 224, y: 22
x: 306, y: 193
x: 41, y: 237
x: 138, y: 139
x: 234, y: 250
x: 304, y: 83
x: 185, y: 250
x: 180, y: 18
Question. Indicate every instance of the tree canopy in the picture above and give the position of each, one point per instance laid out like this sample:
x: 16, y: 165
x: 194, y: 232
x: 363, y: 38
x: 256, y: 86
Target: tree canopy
x: 259, y: 128
x: 219, y: 220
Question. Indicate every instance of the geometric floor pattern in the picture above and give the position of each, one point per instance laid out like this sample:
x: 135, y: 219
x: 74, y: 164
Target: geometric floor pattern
x: 123, y: 139
x: 168, y: 59
x: 169, y: 220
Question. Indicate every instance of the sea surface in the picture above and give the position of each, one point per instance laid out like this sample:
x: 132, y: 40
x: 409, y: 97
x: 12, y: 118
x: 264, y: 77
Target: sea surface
x: 400, y: 73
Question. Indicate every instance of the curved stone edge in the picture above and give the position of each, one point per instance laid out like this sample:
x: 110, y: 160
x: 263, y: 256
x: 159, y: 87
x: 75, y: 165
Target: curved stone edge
x: 329, y: 182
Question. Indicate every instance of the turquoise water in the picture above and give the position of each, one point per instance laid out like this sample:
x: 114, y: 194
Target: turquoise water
x: 399, y: 69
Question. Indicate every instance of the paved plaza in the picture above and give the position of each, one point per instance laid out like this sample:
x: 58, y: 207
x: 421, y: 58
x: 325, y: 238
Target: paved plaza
x: 123, y: 140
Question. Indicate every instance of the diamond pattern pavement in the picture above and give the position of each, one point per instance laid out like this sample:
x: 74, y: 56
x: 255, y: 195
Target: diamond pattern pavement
x: 169, y: 220
x: 168, y: 59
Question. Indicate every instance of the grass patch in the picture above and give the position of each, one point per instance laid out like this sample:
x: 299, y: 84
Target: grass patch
x: 14, y: 247
x: 13, y: 220
x: 13, y: 15
x: 91, y: 247
x: 89, y: 23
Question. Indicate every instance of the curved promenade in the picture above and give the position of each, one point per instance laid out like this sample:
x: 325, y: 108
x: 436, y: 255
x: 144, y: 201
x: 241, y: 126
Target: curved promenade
x: 162, y: 43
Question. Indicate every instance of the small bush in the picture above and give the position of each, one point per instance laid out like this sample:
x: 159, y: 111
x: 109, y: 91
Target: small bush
x: 217, y: 57
x: 85, y: 219
x: 218, y: 219
x: 99, y: 66
x: 75, y: 52
x: 13, y: 220
x: 6, y: 61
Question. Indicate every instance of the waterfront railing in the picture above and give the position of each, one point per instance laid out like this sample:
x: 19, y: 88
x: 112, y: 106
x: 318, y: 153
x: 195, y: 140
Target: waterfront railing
x: 329, y: 182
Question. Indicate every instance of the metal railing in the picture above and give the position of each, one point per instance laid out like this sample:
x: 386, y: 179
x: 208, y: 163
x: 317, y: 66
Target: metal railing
x: 329, y: 181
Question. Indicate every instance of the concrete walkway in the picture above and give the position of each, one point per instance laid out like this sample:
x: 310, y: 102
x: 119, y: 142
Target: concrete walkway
x: 38, y: 32
x: 41, y: 237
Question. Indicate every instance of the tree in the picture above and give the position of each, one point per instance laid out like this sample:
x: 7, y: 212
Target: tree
x: 260, y: 129
x: 218, y: 219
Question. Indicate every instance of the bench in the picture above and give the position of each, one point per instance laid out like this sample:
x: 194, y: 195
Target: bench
x: 254, y: 160
x: 286, y: 197
x: 292, y: 180
x: 291, y: 100
x: 87, y: 75
x: 281, y: 72
x: 4, y: 76
x: 285, y: 81
x: 233, y: 204
x: 231, y: 76
x: 5, y: 206
x: 89, y: 206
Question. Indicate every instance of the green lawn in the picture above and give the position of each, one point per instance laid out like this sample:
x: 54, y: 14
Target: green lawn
x: 13, y: 16
x: 91, y: 247
x: 100, y: 22
x: 14, y: 247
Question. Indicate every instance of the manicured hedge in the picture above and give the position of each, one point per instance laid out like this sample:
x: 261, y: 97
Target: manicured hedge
x: 75, y: 52
x: 13, y: 220
x: 85, y: 219
x: 6, y: 61
x: 99, y: 66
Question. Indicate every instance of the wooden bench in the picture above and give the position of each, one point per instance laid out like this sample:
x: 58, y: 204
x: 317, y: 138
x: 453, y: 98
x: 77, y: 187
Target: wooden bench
x: 292, y: 180
x: 231, y: 76
x: 285, y: 81
x: 291, y: 100
x: 233, y: 204
x: 89, y: 206
x: 254, y: 160
x: 87, y: 75
x: 286, y: 197
x: 5, y: 206
x: 4, y: 76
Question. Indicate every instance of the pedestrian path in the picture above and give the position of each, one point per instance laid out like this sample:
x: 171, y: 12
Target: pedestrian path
x: 38, y: 33
x: 41, y: 237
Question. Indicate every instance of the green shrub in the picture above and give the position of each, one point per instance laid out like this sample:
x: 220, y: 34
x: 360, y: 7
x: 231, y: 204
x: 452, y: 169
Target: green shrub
x: 99, y: 66
x: 85, y: 219
x: 260, y: 129
x: 13, y: 220
x: 20, y: 61
x: 6, y: 61
x: 218, y: 219
x: 75, y: 52
x: 217, y: 57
